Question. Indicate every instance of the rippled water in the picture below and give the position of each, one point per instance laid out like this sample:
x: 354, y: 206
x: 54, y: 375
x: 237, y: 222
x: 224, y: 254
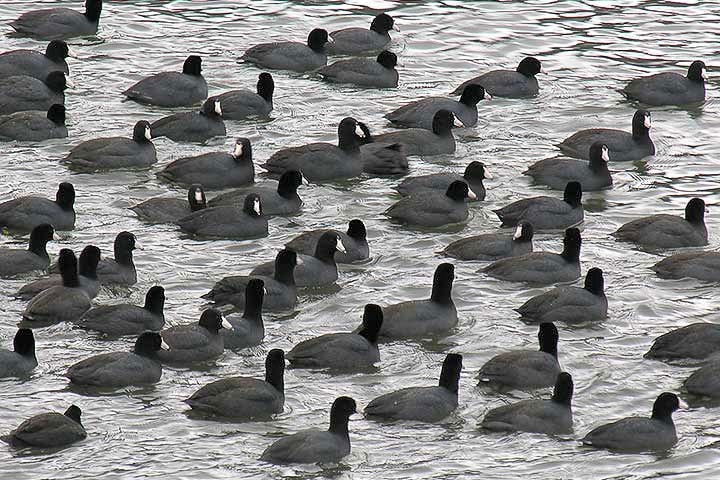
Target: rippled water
x: 589, y: 48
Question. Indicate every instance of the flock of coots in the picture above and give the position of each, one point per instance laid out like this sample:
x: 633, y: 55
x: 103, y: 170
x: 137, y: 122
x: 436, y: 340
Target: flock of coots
x: 32, y: 94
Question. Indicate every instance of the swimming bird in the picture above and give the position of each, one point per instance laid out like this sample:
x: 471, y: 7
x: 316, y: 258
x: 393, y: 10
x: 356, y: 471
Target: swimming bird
x: 87, y: 276
x: 542, y: 268
x: 34, y: 126
x: 60, y: 23
x: 192, y: 343
x: 420, y: 113
x: 21, y: 360
x: 438, y: 140
x: 248, y: 330
x: 473, y: 175
x: 109, y: 153
x: 33, y: 63
x: 622, y: 146
x: 668, y: 231
x: 570, y: 304
x: 214, y: 170
x: 517, y: 83
x: 525, y: 369
x: 228, y: 221
x: 192, y: 126
x: 121, y: 369
x: 66, y: 302
x: 170, y: 210
x: 669, y: 88
x: 280, y: 199
x: 172, y: 89
x: 557, y: 172
x: 126, y: 318
x: 25, y: 213
x: 493, y: 246
x: 546, y: 213
x: 324, y: 161
x: 697, y: 341
x: 640, y: 434
x: 433, y: 208
x: 35, y: 257
x: 245, y: 398
x: 355, y: 40
x: 48, y: 430
x: 354, y: 240
x: 312, y: 445
x: 422, y: 404
x: 22, y: 93
x: 364, y: 72
x: 421, y: 318
x: 293, y: 56
x: 280, y: 289
x: 342, y: 351
x: 240, y: 104
x: 551, y: 417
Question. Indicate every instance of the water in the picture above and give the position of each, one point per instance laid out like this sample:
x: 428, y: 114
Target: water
x: 590, y: 48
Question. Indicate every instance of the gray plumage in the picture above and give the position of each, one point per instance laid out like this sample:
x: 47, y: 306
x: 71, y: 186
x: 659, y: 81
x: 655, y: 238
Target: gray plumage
x: 354, y: 240
x: 60, y: 23
x: 280, y: 199
x: 316, y: 270
x: 557, y: 172
x: 423, y: 404
x: 324, y: 161
x: 121, y: 369
x: 669, y: 88
x: 355, y: 40
x: 48, y: 430
x: 280, y: 289
x: 384, y: 159
x: 248, y: 330
x: 474, y: 175
x: 87, y: 276
x: 542, y: 268
x: 551, y: 417
x: 22, y: 93
x: 315, y: 446
x: 704, y: 266
x: 569, y: 304
x: 192, y: 126
x: 668, y: 231
x: 493, y: 246
x: 35, y: 257
x: 115, y: 152
x: 33, y: 63
x: 433, y: 208
x: 517, y: 83
x: 421, y: 318
x: 198, y: 342
x: 240, y: 104
x: 525, y: 369
x: 227, y: 221
x: 705, y: 381
x: 419, y: 141
x: 244, y: 397
x: 342, y: 351
x: 26, y: 213
x: 170, y: 210
x: 34, y: 126
x: 365, y: 72
x: 546, y: 213
x: 127, y: 319
x: 639, y: 434
x: 697, y: 341
x: 622, y: 146
x: 172, y: 89
x: 420, y: 113
x: 293, y: 56
x: 21, y: 360
x: 214, y: 170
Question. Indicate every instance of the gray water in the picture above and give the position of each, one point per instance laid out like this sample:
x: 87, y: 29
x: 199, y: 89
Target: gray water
x: 589, y: 48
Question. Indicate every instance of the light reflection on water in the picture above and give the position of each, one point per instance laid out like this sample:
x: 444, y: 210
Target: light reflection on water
x: 590, y: 49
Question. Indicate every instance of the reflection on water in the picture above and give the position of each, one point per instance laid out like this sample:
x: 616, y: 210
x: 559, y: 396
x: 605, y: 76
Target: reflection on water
x: 590, y: 49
